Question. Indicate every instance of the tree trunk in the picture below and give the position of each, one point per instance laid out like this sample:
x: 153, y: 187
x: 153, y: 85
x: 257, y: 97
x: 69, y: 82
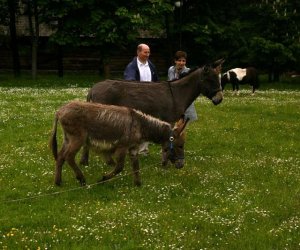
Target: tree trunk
x: 169, y: 33
x: 276, y: 76
x: 270, y: 76
x: 60, y: 51
x: 34, y: 32
x: 106, y: 69
x: 13, y: 38
x: 60, y: 62
x: 34, y: 49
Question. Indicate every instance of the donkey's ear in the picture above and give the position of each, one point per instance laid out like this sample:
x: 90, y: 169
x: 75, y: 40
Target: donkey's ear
x: 217, y: 63
x: 206, y: 68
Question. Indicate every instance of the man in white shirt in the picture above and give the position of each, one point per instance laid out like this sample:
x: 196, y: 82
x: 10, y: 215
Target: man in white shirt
x: 143, y: 70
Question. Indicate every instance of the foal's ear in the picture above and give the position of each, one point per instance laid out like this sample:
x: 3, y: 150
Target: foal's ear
x: 185, y: 123
x: 182, y: 117
x: 180, y: 122
x: 182, y: 127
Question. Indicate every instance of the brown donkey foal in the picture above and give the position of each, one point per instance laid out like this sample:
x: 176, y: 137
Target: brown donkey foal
x: 114, y: 131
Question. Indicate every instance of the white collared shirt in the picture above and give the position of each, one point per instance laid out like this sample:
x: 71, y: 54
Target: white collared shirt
x: 145, y: 72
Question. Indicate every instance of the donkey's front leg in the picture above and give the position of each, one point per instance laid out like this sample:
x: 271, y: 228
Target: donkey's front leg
x: 164, y: 158
x: 133, y: 154
x: 120, y: 154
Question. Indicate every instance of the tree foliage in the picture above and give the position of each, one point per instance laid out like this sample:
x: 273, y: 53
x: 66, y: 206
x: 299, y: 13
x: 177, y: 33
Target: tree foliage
x: 263, y: 33
x: 95, y: 22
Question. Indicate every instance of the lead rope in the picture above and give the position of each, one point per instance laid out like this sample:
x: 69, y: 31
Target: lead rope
x: 69, y: 190
x: 171, y: 146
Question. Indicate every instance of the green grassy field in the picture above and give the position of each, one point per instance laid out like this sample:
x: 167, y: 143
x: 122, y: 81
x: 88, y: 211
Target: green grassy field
x: 239, y: 188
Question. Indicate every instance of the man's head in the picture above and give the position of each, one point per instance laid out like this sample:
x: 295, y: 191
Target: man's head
x: 143, y: 52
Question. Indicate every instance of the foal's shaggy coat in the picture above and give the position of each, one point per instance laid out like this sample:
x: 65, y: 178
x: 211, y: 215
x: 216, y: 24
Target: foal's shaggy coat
x: 115, y: 130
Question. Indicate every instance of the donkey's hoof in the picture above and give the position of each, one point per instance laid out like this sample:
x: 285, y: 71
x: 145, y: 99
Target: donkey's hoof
x: 84, y: 162
x: 58, y: 184
x: 81, y: 181
x: 103, y: 179
x: 138, y: 183
x: 164, y: 164
x: 110, y: 162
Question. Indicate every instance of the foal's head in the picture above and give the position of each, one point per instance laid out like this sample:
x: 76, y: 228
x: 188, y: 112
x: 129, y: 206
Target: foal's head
x: 173, y: 149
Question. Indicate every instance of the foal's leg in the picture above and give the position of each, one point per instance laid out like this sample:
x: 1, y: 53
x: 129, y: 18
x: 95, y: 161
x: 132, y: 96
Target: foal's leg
x: 73, y: 148
x: 108, y: 158
x: 133, y: 154
x: 120, y: 154
x: 59, y: 163
x: 164, y: 159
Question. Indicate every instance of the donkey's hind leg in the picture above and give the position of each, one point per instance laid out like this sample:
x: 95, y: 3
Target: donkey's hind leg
x: 84, y: 160
x: 59, y: 164
x: 120, y: 155
x: 73, y: 148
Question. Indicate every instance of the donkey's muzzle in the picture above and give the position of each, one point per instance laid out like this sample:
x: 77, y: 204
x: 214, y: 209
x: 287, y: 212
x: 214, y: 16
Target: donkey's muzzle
x: 217, y: 99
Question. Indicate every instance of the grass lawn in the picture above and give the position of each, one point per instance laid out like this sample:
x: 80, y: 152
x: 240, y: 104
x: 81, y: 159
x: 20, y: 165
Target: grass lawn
x: 239, y: 189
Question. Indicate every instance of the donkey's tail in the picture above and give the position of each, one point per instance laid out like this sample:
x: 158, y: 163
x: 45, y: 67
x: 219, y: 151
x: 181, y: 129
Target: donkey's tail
x: 53, y: 141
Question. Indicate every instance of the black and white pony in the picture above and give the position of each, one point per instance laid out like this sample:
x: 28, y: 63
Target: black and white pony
x: 239, y: 76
